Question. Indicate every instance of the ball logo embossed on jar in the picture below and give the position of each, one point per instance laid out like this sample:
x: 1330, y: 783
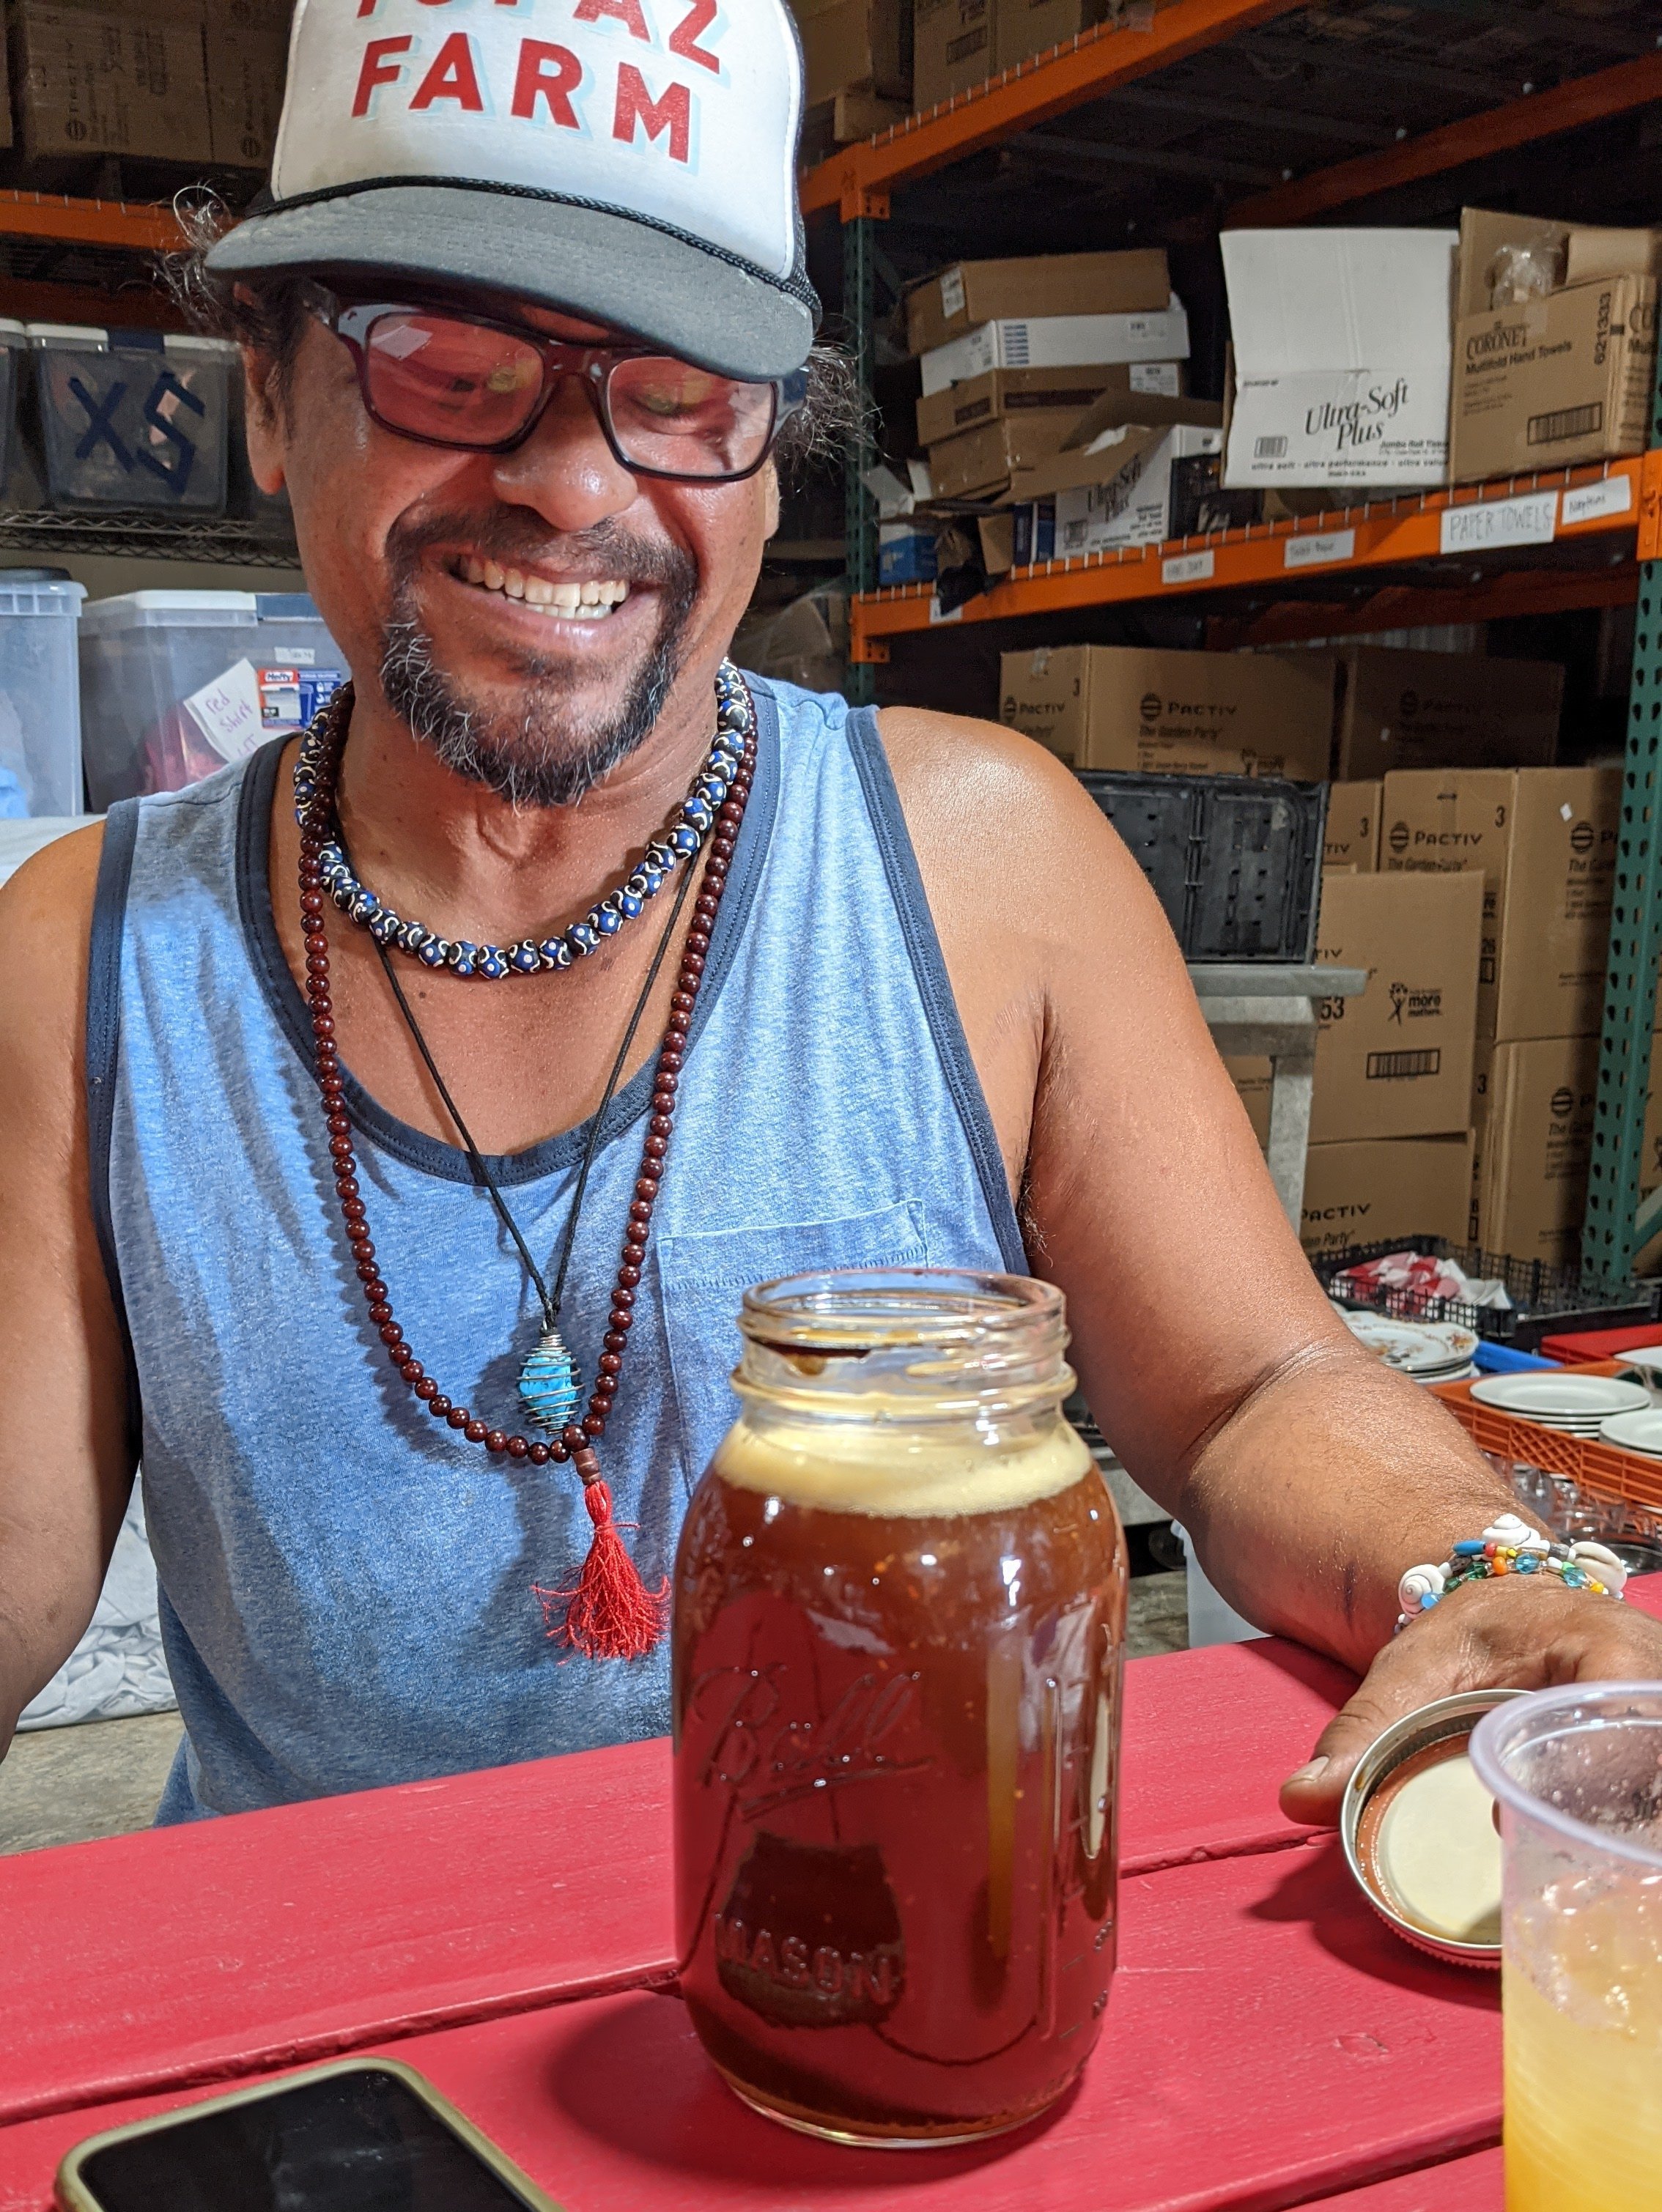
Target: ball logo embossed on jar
x: 899, y: 1620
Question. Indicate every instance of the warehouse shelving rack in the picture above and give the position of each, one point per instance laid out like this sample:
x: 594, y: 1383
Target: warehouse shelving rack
x: 1572, y: 538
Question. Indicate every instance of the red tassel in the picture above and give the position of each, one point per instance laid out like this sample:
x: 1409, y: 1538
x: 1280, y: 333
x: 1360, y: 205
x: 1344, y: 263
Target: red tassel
x: 611, y: 1614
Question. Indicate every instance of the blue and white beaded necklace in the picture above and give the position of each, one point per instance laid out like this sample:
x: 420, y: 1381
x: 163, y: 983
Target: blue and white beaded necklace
x: 681, y: 842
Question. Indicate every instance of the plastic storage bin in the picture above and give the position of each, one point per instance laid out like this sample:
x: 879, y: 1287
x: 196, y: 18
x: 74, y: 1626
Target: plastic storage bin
x: 1234, y: 860
x: 173, y: 684
x: 125, y: 419
x: 14, y: 358
x: 39, y: 694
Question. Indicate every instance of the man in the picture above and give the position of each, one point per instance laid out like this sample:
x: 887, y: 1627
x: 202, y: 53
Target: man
x: 522, y: 322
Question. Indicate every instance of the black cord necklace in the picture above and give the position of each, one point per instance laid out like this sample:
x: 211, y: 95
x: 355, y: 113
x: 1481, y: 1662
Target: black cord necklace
x: 549, y: 1381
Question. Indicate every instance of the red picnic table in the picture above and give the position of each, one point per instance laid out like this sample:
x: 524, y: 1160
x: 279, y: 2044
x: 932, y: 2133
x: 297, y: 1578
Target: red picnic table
x: 1268, y: 2042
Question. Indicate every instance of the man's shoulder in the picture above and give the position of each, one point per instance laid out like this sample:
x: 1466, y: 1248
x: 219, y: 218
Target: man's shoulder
x: 54, y: 890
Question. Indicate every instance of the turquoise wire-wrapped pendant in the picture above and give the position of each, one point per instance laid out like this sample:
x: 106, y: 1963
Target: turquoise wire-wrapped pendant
x: 548, y: 1383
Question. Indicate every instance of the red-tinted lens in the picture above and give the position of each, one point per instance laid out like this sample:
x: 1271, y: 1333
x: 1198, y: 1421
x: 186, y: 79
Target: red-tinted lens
x: 457, y: 382
x: 685, y: 422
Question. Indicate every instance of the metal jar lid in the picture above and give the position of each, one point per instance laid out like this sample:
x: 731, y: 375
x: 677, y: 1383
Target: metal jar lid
x: 1431, y: 1739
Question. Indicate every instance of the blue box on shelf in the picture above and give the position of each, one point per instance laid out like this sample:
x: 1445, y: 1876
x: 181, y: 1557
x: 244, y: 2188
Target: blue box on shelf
x: 905, y: 553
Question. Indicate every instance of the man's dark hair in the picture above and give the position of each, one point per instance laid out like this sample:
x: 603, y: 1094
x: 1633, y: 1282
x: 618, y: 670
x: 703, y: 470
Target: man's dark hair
x: 270, y: 314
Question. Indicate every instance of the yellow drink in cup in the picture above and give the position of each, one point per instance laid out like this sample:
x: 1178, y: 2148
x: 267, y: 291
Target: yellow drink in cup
x: 1577, y: 1774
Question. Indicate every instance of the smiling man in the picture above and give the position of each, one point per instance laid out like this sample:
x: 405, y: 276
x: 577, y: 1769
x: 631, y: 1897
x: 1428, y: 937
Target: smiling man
x: 390, y: 1125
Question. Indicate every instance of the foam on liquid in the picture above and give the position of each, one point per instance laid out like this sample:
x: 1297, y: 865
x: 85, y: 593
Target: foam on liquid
x: 856, y: 1467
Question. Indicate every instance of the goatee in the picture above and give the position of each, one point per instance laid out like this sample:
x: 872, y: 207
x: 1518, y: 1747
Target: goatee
x: 536, y: 754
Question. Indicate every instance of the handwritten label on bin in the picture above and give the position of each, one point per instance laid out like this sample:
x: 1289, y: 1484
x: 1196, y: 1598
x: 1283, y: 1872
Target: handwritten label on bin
x: 227, y: 711
x: 1492, y: 526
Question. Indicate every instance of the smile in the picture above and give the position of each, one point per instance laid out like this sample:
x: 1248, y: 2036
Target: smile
x: 592, y: 600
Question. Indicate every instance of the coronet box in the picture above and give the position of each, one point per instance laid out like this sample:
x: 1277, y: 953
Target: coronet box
x: 1404, y: 709
x: 1342, y: 352
x: 960, y: 299
x: 1189, y: 713
x: 1533, y: 1119
x: 1386, y: 1187
x: 1397, y: 1060
x: 952, y: 49
x: 1545, y: 840
x: 1555, y: 345
x: 1352, y: 836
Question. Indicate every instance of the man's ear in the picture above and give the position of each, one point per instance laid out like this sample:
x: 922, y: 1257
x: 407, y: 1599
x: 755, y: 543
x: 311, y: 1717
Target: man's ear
x: 771, y: 495
x: 265, y: 422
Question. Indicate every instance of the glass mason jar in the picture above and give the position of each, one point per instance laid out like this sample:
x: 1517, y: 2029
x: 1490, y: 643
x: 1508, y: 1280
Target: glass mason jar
x: 899, y: 1622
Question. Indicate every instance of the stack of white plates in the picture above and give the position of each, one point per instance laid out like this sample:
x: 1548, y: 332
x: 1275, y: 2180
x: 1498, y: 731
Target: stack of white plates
x: 1636, y: 1432
x: 1429, y: 1352
x: 1579, y: 1405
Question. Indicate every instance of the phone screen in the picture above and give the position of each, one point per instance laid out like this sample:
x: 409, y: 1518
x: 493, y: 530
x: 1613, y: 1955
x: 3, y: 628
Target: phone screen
x: 352, y: 2143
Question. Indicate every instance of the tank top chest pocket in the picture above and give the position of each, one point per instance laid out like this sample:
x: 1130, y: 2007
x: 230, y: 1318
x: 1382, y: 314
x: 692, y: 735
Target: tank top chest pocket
x: 703, y: 1277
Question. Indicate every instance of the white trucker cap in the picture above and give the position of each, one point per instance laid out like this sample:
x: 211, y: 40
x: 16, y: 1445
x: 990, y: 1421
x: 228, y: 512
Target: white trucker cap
x: 631, y: 162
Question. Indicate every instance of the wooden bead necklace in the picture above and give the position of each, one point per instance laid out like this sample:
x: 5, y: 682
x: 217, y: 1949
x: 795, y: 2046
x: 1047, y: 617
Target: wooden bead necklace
x: 609, y: 1613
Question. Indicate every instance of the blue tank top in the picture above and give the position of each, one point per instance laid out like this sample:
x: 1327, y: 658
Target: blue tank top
x: 346, y: 1586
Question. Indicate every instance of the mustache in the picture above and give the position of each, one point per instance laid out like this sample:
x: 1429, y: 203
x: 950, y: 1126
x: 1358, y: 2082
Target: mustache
x: 513, y: 538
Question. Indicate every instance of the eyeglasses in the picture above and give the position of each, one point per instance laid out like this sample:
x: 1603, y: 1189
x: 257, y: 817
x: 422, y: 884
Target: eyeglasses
x: 472, y: 383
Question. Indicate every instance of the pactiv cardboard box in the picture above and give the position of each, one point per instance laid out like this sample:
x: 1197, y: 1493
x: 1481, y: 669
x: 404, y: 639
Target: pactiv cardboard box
x: 1386, y: 1187
x: 970, y: 293
x: 1400, y: 709
x: 1397, y: 1062
x: 1533, y: 1122
x: 1352, y: 836
x: 1545, y: 380
x: 1544, y: 840
x: 1191, y: 714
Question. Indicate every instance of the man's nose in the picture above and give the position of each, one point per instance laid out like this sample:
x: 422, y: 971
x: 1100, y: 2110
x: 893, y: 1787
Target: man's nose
x: 565, y: 471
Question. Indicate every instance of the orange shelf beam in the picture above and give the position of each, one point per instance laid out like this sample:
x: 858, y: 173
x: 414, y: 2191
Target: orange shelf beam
x: 858, y: 179
x: 1512, y: 593
x: 1542, y: 115
x: 1350, y: 542
x: 138, y: 227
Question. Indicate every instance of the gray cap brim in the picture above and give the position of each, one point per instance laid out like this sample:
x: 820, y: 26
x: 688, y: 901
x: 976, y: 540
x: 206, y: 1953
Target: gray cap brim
x: 591, y: 262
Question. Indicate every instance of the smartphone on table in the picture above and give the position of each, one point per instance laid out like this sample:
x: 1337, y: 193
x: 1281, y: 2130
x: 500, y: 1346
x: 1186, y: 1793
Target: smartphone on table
x: 363, y: 2136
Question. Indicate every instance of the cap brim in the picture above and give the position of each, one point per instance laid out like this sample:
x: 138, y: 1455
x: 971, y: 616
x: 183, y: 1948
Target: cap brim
x: 590, y: 262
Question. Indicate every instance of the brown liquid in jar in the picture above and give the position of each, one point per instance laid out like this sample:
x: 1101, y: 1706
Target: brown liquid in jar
x: 896, y: 1741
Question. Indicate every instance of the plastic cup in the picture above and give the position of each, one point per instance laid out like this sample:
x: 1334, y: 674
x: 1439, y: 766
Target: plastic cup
x: 1577, y: 1773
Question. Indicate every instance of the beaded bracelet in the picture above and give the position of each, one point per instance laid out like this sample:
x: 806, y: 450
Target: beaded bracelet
x: 1510, y: 1547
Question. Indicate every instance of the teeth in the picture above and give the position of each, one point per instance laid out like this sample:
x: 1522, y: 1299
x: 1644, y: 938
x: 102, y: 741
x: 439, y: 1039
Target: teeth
x: 589, y: 601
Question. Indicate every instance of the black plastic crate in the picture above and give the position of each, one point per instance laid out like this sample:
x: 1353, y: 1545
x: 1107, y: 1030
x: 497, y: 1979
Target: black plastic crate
x: 1544, y: 1300
x: 1235, y: 860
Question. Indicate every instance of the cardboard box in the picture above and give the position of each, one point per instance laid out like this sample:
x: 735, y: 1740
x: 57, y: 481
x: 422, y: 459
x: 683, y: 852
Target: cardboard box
x: 905, y: 553
x: 1058, y: 342
x: 1397, y: 1062
x: 960, y: 299
x: 89, y: 83
x: 1545, y: 840
x: 952, y: 49
x: 856, y: 44
x: 1530, y: 1180
x: 1352, y: 838
x: 1387, y: 1187
x: 247, y: 53
x: 984, y: 461
x: 1400, y: 709
x: 1191, y: 714
x: 1341, y: 357
x: 1133, y: 506
x: 982, y: 400
x: 1544, y: 379
x: 1252, y: 1078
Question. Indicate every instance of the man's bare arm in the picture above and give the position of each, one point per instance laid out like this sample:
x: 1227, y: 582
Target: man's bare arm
x: 65, y: 1458
x: 1309, y: 1476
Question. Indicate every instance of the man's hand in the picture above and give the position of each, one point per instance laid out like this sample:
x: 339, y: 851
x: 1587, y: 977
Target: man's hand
x: 1513, y: 1633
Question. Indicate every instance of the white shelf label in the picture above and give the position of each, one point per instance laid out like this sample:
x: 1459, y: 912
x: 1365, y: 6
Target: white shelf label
x: 1490, y: 525
x: 936, y: 613
x: 1187, y: 569
x: 1320, y: 551
x: 1592, y: 502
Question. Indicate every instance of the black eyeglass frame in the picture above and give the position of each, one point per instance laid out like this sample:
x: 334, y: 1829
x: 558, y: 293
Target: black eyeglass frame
x: 351, y: 321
